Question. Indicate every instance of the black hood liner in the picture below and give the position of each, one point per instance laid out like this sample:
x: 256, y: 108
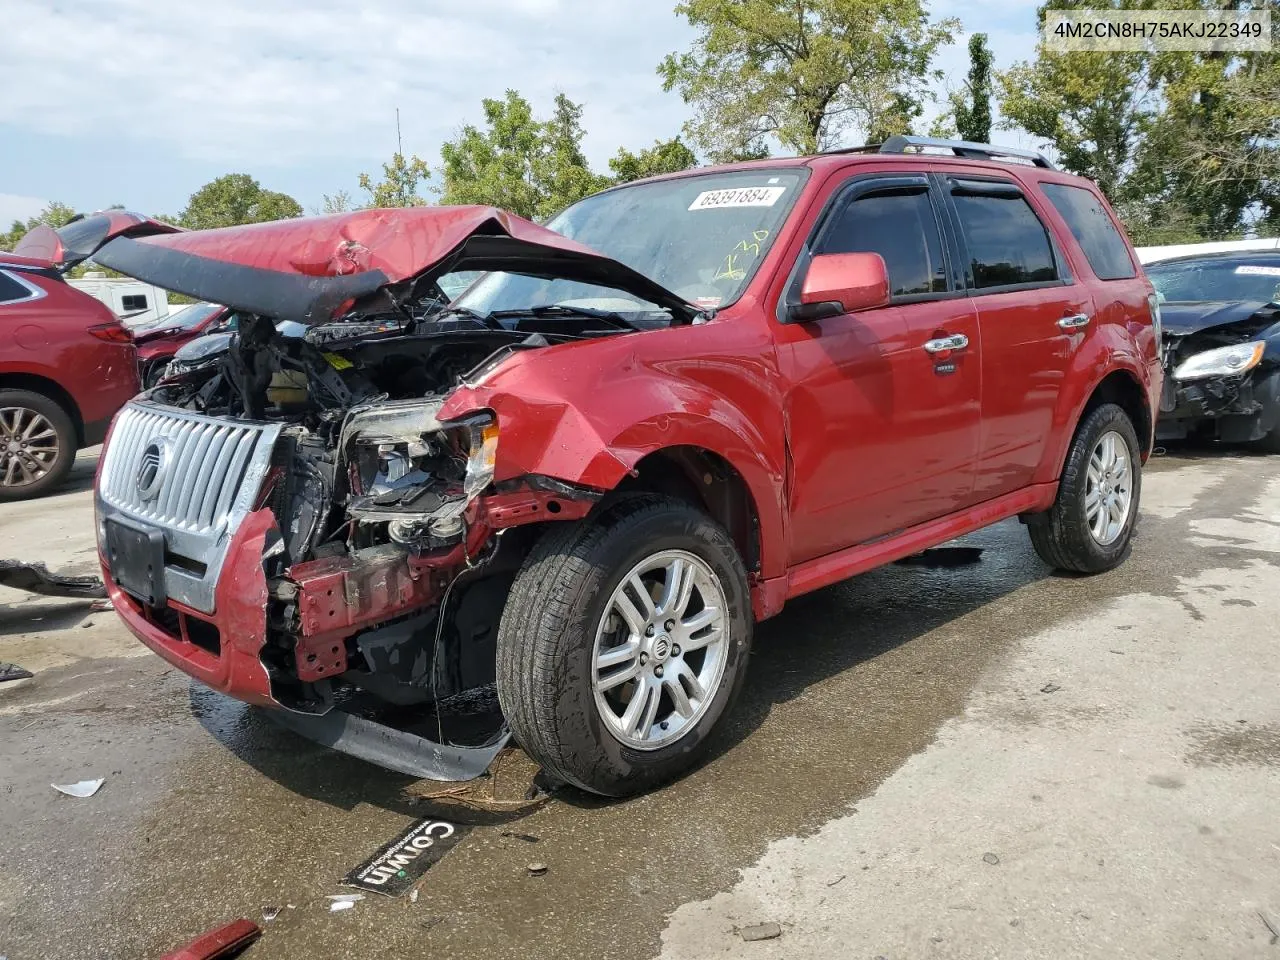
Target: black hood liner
x: 269, y: 293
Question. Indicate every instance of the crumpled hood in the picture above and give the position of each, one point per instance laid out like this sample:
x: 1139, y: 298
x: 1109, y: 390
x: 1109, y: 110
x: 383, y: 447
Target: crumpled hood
x: 306, y: 269
x: 1183, y: 318
x: 83, y: 236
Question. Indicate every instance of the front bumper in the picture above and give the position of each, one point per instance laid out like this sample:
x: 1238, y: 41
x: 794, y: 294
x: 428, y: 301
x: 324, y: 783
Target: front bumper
x: 1235, y: 409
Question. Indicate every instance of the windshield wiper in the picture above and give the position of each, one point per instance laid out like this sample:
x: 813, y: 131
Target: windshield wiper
x: 559, y: 310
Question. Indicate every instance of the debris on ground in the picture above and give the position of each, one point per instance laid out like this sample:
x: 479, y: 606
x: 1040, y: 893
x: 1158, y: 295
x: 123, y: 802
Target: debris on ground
x: 396, y: 867
x: 990, y: 858
x: 98, y: 606
x: 36, y: 578
x: 1270, y: 925
x: 761, y: 931
x: 430, y: 922
x: 413, y: 896
x: 226, y: 941
x: 350, y: 899
x: 536, y: 869
x: 11, y: 671
x: 83, y: 789
x: 943, y: 557
x: 1050, y: 688
x: 832, y: 883
x: 270, y: 913
x: 526, y: 837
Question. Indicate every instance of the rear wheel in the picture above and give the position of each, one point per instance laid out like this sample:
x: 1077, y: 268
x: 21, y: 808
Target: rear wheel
x: 1088, y: 528
x: 623, y: 642
x: 37, y: 444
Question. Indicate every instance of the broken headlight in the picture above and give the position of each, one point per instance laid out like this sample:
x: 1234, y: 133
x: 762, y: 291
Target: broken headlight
x: 1221, y: 362
x: 415, y: 474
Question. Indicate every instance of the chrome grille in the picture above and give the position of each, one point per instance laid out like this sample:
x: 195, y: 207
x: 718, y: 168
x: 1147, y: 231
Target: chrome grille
x: 194, y: 477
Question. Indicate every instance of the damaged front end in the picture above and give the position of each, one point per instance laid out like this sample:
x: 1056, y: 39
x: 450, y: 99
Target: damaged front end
x: 286, y: 517
x: 1222, y: 372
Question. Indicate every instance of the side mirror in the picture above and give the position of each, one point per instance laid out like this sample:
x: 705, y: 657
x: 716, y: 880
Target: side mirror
x: 839, y: 283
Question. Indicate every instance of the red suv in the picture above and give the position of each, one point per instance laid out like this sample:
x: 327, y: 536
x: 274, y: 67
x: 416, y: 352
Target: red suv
x: 66, y: 367
x: 644, y: 430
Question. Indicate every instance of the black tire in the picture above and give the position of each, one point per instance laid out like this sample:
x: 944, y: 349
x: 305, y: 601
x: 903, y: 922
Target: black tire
x: 153, y: 370
x: 12, y: 487
x: 1061, y: 535
x: 547, y: 637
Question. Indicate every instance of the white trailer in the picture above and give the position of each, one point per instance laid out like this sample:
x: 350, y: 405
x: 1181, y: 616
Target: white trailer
x: 135, y: 303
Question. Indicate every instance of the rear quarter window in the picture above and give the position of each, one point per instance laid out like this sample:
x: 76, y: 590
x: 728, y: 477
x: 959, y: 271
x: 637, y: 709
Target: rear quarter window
x: 1093, y: 229
x: 12, y: 290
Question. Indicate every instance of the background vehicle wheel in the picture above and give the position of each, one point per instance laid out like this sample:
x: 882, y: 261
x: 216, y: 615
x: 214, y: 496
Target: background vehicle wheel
x: 37, y: 444
x: 1087, y: 530
x: 624, y: 640
x: 153, y: 371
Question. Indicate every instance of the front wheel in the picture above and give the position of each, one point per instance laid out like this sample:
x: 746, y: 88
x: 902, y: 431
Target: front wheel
x: 1088, y: 528
x: 624, y: 640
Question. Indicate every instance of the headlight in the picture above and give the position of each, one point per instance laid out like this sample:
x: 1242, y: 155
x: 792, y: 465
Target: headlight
x: 1222, y: 362
x: 483, y: 455
x: 1157, y: 322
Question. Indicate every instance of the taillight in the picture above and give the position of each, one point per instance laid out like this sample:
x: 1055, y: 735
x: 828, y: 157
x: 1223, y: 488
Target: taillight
x: 112, y: 333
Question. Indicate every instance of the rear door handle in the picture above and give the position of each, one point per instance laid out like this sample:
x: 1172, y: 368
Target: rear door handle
x: 1074, y: 322
x: 957, y: 341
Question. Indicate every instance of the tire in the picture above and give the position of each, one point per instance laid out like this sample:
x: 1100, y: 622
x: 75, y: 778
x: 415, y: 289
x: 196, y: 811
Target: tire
x: 50, y: 438
x: 1064, y: 536
x: 1270, y: 443
x: 153, y: 371
x: 564, y: 596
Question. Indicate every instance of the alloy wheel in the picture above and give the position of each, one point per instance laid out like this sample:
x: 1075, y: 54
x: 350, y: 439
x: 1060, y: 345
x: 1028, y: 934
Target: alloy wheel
x: 660, y: 650
x: 1108, y: 494
x: 28, y: 446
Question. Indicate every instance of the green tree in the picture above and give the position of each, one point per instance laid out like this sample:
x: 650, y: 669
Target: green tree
x: 398, y: 186
x: 802, y: 72
x: 534, y: 168
x: 972, y: 108
x: 340, y: 202
x: 1092, y: 107
x: 233, y: 199
x: 665, y: 156
x: 55, y: 215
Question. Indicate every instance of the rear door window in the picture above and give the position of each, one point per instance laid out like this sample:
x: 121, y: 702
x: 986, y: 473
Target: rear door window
x: 1006, y: 242
x: 900, y: 226
x: 1093, y: 229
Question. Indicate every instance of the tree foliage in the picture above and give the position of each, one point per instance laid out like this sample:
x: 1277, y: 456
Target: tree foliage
x: 397, y: 188
x: 665, y: 156
x: 54, y: 215
x: 972, y: 108
x: 233, y: 199
x: 531, y: 167
x: 1091, y: 107
x: 802, y: 72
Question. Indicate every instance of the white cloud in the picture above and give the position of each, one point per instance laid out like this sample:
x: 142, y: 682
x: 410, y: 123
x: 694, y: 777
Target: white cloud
x: 277, y: 81
x: 16, y: 207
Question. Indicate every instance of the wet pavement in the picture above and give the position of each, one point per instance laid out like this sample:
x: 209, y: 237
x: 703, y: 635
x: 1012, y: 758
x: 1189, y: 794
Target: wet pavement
x: 911, y: 695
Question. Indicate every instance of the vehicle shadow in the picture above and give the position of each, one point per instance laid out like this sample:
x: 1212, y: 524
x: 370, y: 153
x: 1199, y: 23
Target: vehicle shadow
x: 41, y: 614
x: 816, y: 638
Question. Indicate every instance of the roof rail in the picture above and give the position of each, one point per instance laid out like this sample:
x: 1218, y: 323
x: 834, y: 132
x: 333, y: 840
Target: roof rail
x: 963, y: 148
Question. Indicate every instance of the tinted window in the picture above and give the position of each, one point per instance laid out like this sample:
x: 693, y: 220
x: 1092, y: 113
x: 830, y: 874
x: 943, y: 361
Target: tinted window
x: 1007, y: 242
x: 11, y: 289
x: 901, y: 228
x: 133, y: 301
x: 1092, y: 227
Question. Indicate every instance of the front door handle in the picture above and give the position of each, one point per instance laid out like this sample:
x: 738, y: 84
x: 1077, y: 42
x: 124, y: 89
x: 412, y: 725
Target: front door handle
x: 1074, y: 322
x: 957, y: 341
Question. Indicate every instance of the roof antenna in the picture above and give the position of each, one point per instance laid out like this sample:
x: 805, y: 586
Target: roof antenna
x: 399, y: 152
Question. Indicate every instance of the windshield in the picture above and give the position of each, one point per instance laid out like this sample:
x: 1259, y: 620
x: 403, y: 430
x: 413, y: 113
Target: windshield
x: 1234, y: 279
x: 187, y: 318
x: 701, y: 237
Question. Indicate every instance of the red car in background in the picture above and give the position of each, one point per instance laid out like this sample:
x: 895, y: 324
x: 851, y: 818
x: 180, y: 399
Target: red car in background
x: 158, y: 341
x: 66, y: 363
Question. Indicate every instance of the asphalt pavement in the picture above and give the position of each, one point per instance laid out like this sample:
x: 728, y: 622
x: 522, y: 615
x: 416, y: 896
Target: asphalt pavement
x: 982, y: 761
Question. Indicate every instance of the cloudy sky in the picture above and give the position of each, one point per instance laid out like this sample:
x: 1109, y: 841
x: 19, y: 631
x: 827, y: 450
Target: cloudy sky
x: 140, y: 102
